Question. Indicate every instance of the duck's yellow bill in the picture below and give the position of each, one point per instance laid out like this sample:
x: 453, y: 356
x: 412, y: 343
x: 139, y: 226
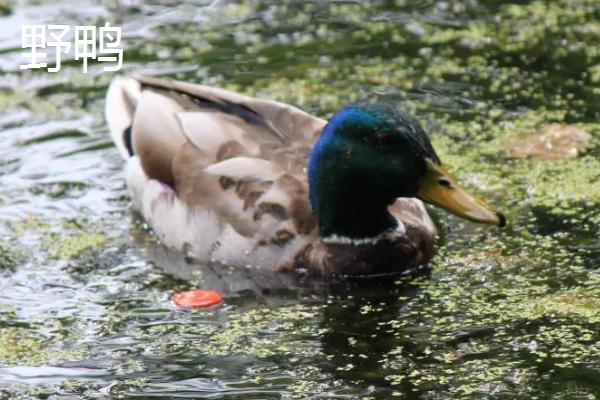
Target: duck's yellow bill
x: 441, y: 189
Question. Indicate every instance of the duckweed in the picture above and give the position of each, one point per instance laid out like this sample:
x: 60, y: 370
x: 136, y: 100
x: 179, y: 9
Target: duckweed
x: 70, y: 247
x: 19, y: 346
x: 8, y: 259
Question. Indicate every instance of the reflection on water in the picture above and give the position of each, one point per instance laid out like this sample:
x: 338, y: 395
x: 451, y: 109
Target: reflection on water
x: 85, y: 289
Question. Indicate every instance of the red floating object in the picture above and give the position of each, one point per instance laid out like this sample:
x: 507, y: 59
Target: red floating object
x: 197, y: 299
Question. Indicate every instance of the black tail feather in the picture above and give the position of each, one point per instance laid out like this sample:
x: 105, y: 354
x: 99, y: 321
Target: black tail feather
x: 127, y: 140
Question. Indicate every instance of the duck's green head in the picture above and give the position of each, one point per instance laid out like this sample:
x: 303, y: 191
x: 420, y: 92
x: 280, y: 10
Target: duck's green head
x: 367, y: 157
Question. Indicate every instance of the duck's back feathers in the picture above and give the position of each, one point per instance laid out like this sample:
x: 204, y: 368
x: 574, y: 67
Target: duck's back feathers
x: 238, y: 159
x: 222, y: 176
x: 285, y: 120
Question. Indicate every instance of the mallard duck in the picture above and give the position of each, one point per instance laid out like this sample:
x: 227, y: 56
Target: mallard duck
x: 243, y: 181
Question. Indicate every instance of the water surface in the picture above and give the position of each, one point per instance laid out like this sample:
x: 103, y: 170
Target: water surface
x: 85, y: 289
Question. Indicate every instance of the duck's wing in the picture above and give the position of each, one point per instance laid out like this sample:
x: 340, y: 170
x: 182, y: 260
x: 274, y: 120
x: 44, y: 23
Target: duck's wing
x: 222, y: 122
x: 240, y: 157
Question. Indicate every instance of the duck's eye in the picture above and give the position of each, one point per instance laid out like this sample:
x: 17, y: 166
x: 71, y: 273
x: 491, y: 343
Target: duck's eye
x: 383, y: 140
x: 444, y: 182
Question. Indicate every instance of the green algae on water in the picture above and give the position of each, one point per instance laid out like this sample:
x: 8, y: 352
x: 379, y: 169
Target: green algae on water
x: 8, y: 260
x: 19, y: 346
x: 70, y: 247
